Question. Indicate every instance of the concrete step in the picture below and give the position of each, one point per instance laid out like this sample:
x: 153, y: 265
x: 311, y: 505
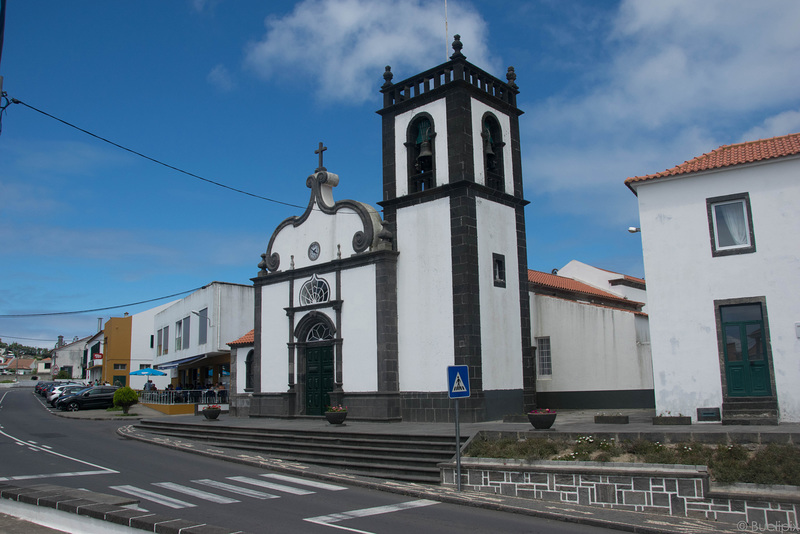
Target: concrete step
x: 399, y: 457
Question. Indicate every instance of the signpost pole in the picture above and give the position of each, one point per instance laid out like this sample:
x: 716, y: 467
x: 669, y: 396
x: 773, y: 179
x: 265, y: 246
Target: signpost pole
x: 458, y: 449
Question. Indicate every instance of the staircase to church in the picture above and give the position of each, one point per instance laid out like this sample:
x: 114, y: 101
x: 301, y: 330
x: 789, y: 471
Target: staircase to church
x: 750, y: 411
x: 397, y: 457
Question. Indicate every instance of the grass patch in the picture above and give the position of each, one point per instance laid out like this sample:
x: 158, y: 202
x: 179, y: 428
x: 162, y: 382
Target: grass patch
x: 770, y: 464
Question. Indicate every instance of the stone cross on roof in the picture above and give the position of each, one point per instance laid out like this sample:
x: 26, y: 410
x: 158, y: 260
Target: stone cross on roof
x: 319, y: 151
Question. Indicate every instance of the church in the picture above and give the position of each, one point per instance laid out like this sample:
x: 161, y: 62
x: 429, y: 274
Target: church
x: 367, y: 310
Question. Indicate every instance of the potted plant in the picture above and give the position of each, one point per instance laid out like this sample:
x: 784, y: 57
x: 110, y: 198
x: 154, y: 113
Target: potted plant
x: 669, y: 419
x: 336, y: 414
x: 542, y: 418
x: 611, y: 419
x: 125, y: 398
x: 212, y: 411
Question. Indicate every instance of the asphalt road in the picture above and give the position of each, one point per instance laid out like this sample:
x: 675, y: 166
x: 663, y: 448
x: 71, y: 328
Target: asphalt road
x: 38, y: 447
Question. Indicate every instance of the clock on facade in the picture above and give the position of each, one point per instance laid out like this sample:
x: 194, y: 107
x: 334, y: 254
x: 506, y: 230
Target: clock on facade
x: 313, y: 251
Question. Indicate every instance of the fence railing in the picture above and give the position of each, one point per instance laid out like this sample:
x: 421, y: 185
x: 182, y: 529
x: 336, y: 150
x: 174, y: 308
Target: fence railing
x: 185, y: 396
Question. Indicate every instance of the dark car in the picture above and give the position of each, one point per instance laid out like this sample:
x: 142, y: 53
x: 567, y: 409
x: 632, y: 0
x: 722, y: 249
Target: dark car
x: 94, y: 397
x: 65, y: 390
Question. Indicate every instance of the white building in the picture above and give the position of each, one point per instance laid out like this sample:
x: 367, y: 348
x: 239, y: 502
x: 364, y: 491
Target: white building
x: 142, y: 344
x: 369, y: 313
x: 592, y: 341
x: 723, y: 266
x: 70, y: 358
x: 189, y: 336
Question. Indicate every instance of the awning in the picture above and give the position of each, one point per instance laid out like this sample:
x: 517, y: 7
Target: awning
x: 175, y: 363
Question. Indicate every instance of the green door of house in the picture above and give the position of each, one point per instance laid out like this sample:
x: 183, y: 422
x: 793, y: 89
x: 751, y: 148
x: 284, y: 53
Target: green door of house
x: 319, y: 378
x: 746, y: 364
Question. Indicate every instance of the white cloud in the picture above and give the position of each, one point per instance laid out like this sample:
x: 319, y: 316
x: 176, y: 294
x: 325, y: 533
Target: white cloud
x: 221, y: 78
x: 682, y: 78
x: 339, y: 47
x: 780, y: 124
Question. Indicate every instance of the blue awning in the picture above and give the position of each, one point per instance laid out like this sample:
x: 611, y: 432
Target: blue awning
x: 175, y: 363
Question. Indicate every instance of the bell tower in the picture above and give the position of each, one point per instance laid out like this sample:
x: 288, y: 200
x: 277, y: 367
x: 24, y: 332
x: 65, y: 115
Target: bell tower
x: 453, y: 197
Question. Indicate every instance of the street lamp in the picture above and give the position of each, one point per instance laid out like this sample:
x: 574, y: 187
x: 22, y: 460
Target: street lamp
x: 634, y: 229
x: 207, y: 318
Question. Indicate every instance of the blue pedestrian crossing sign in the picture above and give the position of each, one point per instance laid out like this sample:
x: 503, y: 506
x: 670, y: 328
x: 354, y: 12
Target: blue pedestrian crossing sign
x: 457, y: 381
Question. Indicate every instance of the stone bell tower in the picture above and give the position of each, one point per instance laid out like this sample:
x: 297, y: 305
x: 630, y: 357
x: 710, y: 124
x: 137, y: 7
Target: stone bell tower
x: 452, y: 194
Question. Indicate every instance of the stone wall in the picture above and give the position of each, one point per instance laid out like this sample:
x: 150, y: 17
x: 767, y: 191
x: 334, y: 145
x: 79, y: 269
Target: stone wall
x: 677, y: 490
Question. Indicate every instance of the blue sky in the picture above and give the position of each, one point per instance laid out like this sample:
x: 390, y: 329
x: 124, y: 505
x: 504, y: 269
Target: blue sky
x: 241, y: 92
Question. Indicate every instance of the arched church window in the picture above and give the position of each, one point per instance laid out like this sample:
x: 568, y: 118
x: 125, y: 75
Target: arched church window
x: 421, y: 150
x: 314, y: 291
x: 248, y: 372
x: 493, y: 152
x: 319, y: 332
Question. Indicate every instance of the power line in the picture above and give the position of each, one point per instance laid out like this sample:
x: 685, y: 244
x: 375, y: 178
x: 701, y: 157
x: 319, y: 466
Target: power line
x: 26, y: 338
x: 167, y: 165
x: 12, y: 316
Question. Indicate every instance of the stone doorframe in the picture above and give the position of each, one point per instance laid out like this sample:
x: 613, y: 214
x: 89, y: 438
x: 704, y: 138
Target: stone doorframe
x: 297, y: 353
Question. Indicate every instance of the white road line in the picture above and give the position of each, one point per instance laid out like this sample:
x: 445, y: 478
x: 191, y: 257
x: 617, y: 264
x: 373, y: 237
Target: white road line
x: 206, y: 496
x: 235, y: 489
x: 305, y: 482
x: 56, y: 475
x: 329, y: 520
x: 153, y: 497
x: 270, y: 485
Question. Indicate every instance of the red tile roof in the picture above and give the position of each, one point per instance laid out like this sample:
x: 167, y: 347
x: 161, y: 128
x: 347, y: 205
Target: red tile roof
x: 247, y: 339
x: 727, y: 155
x: 563, y: 283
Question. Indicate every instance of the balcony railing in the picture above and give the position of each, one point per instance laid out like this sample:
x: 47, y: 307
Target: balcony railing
x: 186, y: 396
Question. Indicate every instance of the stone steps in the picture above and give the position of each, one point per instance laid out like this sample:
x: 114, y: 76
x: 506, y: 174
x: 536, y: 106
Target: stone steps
x: 750, y: 411
x: 398, y: 457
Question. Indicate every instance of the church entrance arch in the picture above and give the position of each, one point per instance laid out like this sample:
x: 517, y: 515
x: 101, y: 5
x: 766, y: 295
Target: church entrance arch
x: 315, y: 341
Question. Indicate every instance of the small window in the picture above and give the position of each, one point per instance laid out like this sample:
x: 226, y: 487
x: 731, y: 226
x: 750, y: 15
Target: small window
x: 178, y: 334
x: 731, y: 225
x: 160, y: 345
x: 545, y: 364
x: 314, y: 291
x: 144, y: 366
x: 120, y: 366
x: 493, y: 152
x: 420, y: 144
x: 499, y: 270
x: 202, y: 333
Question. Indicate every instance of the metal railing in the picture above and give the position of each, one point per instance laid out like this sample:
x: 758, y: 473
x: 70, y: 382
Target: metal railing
x: 185, y: 396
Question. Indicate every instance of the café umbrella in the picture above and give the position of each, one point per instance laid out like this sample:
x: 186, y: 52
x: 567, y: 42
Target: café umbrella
x: 148, y: 372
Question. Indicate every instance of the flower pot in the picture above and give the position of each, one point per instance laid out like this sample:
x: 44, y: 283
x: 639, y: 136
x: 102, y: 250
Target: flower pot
x: 672, y: 420
x: 611, y: 419
x: 211, y: 413
x: 336, y: 418
x: 542, y: 421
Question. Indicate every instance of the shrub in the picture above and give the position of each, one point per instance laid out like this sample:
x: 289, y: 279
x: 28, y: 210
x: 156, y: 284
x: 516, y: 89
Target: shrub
x: 125, y: 397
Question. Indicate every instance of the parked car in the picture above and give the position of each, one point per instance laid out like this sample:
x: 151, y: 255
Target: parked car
x: 60, y: 391
x: 93, y: 397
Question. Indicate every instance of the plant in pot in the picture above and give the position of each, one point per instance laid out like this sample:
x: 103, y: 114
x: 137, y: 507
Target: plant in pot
x: 542, y: 418
x: 336, y: 414
x: 212, y: 411
x: 611, y: 419
x: 124, y: 398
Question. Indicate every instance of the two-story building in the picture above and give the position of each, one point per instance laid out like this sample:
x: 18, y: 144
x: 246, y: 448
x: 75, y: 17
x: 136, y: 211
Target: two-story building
x: 722, y: 265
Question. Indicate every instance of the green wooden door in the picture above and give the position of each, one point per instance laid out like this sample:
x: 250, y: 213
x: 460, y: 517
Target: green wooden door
x: 319, y: 378
x: 746, y: 365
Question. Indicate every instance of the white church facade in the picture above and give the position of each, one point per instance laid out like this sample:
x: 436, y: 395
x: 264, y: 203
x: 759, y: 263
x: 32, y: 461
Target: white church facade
x: 368, y: 312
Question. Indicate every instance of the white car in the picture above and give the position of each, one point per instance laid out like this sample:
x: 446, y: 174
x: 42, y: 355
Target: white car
x: 59, y: 390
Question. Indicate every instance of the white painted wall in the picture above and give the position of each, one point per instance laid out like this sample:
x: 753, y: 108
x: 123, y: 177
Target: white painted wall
x: 501, y: 340
x: 684, y: 279
x: 593, y: 348
x: 601, y: 279
x: 478, y: 110
x: 274, y: 331
x: 239, y: 359
x: 141, y: 353
x: 437, y: 110
x: 334, y: 233
x: 424, y: 296
x: 230, y: 310
x: 359, y: 323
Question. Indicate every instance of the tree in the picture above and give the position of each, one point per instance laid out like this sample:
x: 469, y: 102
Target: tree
x: 125, y: 397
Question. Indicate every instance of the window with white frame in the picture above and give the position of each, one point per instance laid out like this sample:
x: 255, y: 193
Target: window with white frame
x: 160, y: 343
x: 499, y: 270
x: 731, y: 225
x: 120, y: 366
x: 545, y: 364
x: 178, y: 334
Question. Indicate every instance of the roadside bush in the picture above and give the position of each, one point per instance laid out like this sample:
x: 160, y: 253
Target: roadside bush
x: 125, y: 397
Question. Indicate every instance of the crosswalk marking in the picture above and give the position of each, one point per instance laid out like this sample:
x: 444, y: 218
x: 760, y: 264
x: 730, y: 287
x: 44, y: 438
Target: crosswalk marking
x: 204, y: 495
x: 271, y: 485
x: 305, y: 482
x: 153, y: 496
x: 235, y: 489
x: 328, y: 520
